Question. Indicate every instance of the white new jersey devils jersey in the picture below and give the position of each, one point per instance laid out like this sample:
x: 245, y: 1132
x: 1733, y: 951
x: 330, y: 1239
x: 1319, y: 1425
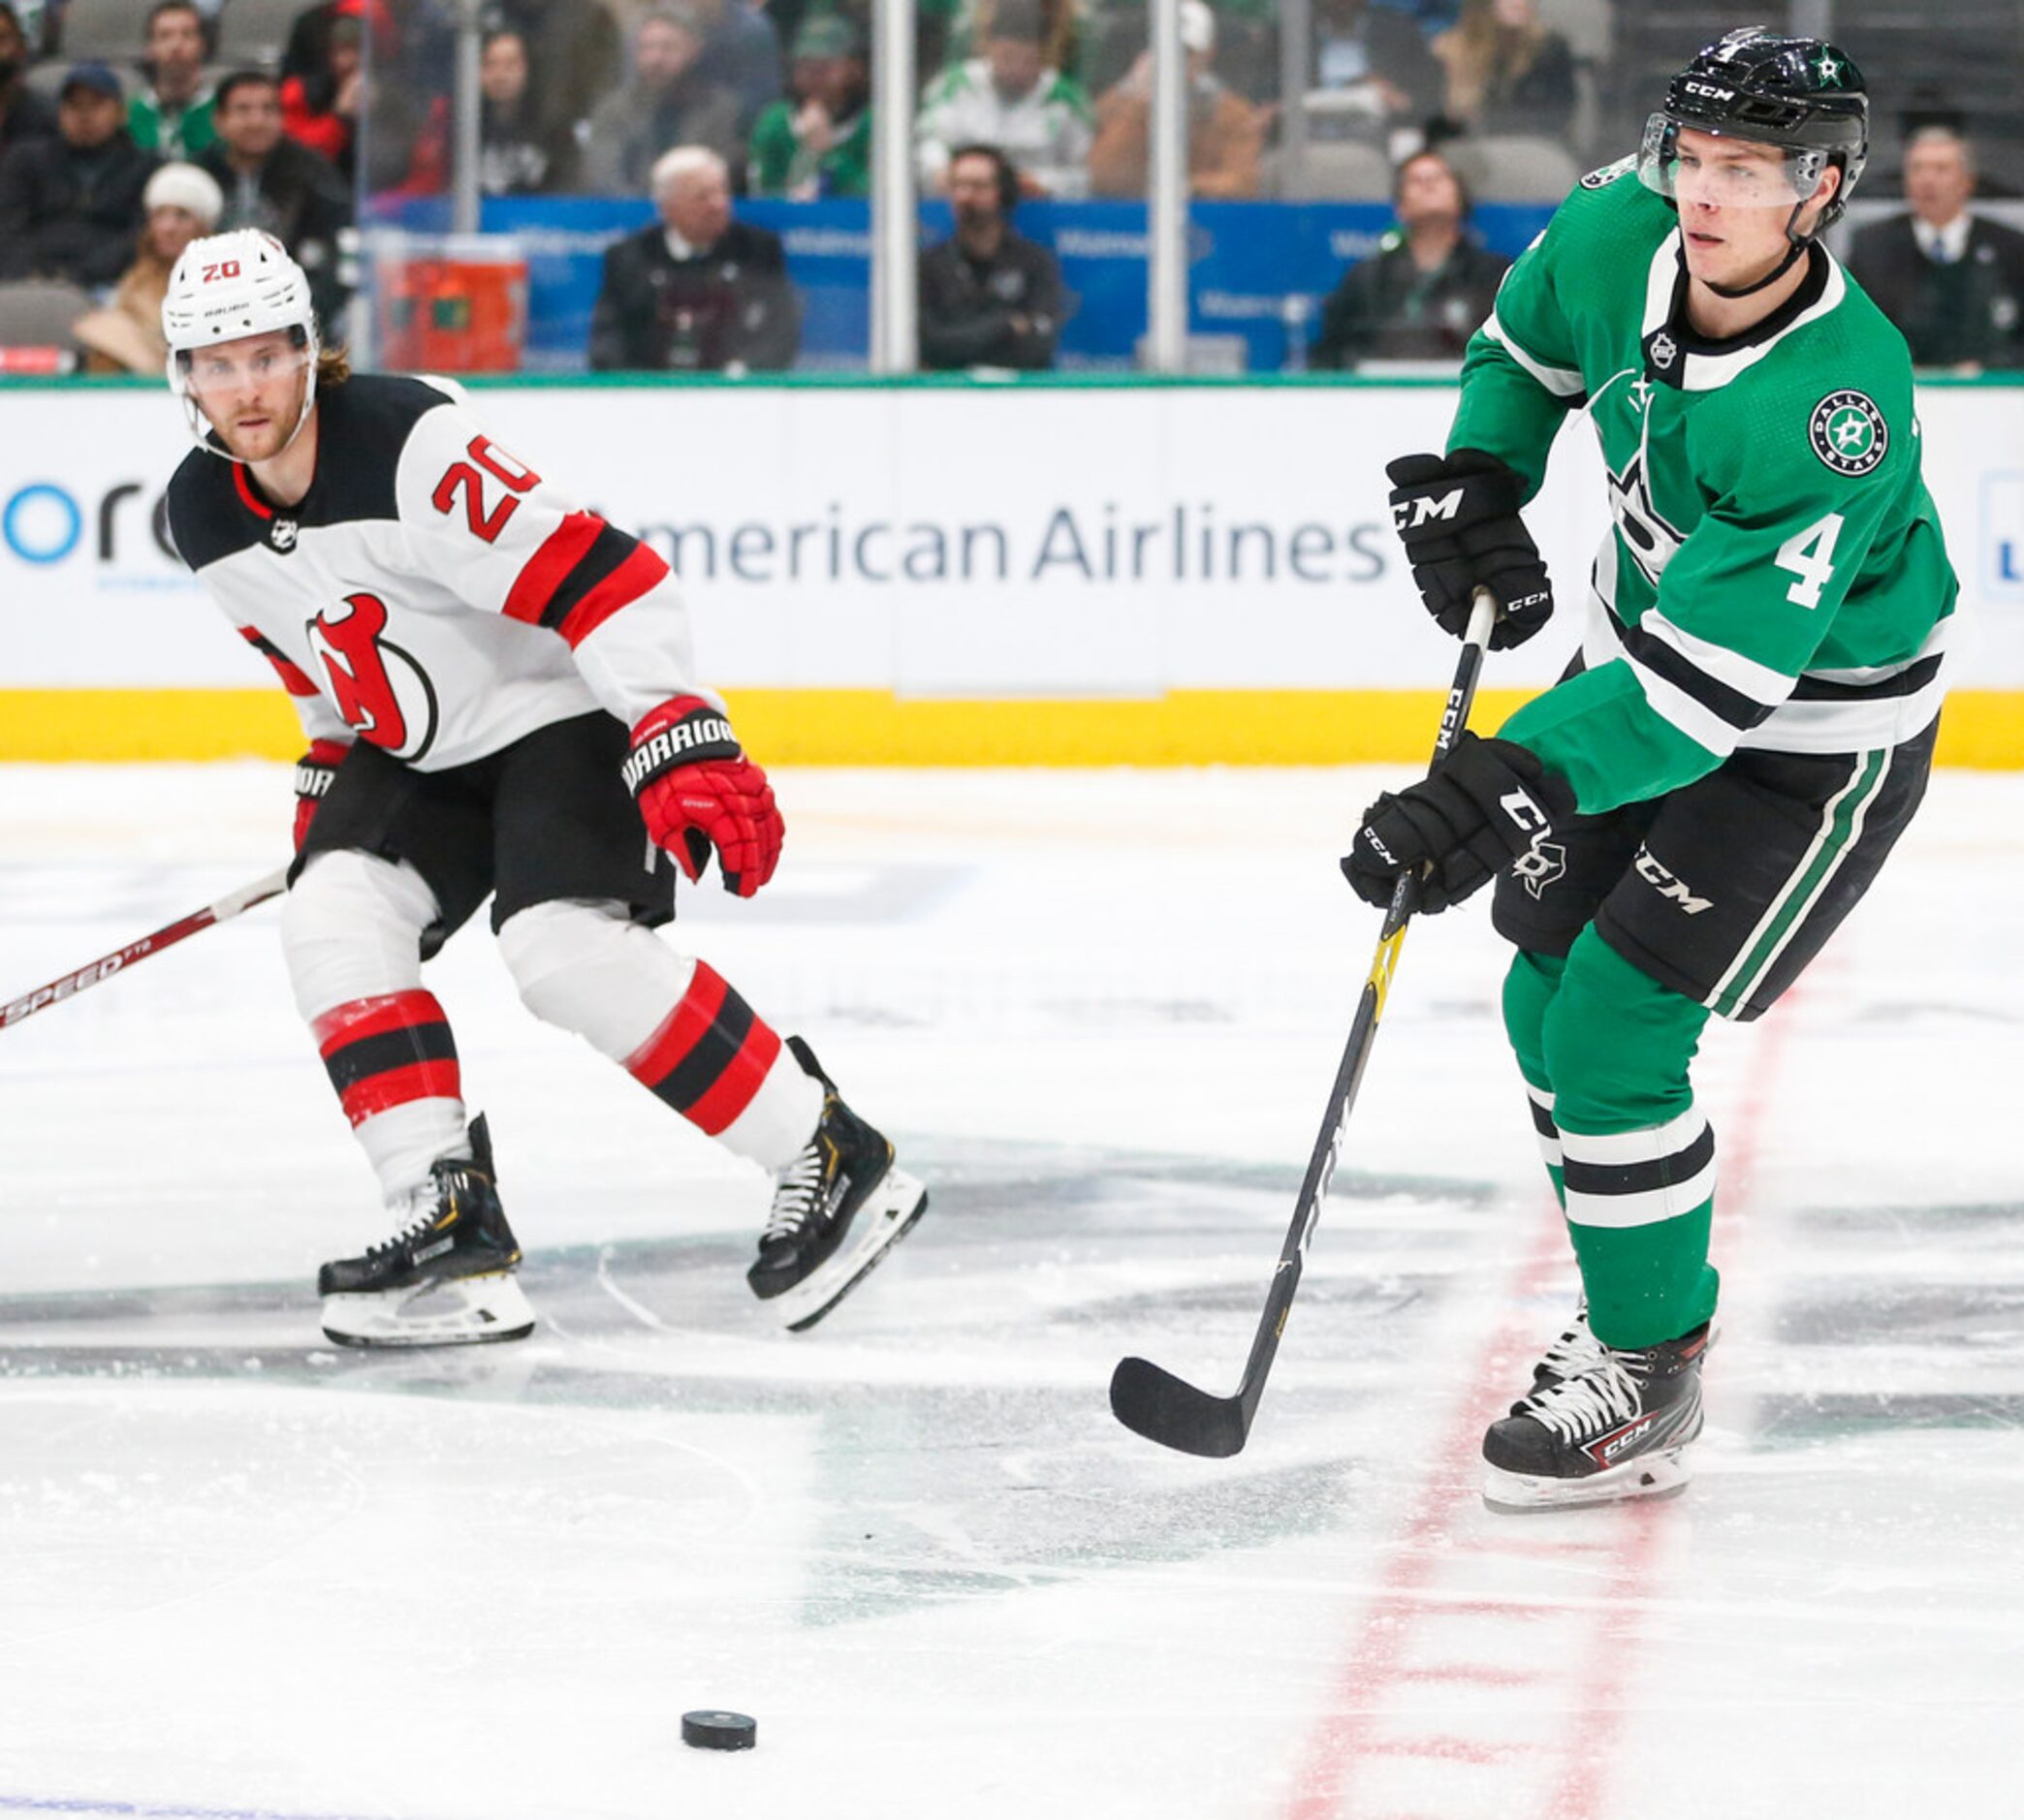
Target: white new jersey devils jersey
x: 431, y: 593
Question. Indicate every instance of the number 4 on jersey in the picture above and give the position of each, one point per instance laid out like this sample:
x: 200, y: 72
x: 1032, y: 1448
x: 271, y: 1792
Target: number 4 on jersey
x: 1809, y: 555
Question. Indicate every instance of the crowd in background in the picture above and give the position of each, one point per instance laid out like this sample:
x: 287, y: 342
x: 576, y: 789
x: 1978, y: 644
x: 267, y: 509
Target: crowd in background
x: 105, y: 164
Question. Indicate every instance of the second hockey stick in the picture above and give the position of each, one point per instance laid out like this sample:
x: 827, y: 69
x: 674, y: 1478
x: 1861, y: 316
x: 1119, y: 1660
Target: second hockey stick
x: 1151, y: 1400
x: 98, y: 972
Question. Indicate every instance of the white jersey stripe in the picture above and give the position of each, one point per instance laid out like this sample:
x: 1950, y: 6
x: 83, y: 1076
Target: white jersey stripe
x: 1562, y: 381
x: 1646, y: 1209
x: 1612, y: 1150
x: 1744, y: 674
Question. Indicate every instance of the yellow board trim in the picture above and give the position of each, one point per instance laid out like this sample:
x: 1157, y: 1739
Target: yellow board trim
x: 1983, y: 729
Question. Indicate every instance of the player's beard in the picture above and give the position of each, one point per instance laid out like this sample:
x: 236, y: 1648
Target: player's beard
x: 263, y: 441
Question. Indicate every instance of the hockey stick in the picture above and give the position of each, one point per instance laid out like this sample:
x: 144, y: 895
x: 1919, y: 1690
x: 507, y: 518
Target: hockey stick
x: 1152, y: 1401
x: 97, y: 972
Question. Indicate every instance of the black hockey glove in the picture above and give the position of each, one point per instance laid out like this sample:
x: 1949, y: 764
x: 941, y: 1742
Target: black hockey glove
x: 1484, y: 806
x: 1458, y: 517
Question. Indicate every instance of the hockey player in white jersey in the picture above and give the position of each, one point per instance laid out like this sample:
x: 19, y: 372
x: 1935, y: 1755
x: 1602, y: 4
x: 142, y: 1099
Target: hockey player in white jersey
x: 498, y: 690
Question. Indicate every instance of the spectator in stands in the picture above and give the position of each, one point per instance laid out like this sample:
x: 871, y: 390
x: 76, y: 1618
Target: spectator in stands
x: 1374, y: 77
x: 1951, y: 281
x: 576, y: 47
x: 182, y: 201
x: 71, y: 206
x: 740, y: 51
x: 173, y: 116
x: 817, y: 142
x: 1506, y: 73
x: 1225, y: 133
x: 1427, y: 287
x: 964, y: 26
x: 697, y: 292
x: 989, y: 296
x: 668, y: 102
x: 521, y: 152
x: 24, y: 115
x: 290, y: 191
x: 1013, y: 99
x: 320, y: 103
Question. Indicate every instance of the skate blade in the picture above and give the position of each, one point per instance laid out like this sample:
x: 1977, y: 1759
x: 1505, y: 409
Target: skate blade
x: 888, y: 1214
x: 1651, y: 1476
x: 462, y: 1311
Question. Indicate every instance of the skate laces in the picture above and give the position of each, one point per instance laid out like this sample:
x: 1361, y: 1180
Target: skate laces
x: 424, y: 1209
x: 1603, y: 1394
x: 426, y: 1204
x: 795, y: 1196
x: 1575, y: 1350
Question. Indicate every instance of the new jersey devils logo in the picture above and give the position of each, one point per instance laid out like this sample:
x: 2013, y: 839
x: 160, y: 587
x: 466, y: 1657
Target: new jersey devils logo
x: 392, y: 706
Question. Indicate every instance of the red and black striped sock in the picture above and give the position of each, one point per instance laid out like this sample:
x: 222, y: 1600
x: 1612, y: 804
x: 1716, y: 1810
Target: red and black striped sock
x: 386, y: 1052
x: 710, y: 1057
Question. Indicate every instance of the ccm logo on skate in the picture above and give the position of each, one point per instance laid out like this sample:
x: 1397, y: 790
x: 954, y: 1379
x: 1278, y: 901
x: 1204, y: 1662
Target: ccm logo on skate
x: 1410, y: 514
x: 75, y: 983
x: 1611, y: 1445
x: 1669, y: 886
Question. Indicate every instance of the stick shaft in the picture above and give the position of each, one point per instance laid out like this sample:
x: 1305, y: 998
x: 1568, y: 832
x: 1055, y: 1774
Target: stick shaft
x: 1178, y: 1416
x: 69, y: 985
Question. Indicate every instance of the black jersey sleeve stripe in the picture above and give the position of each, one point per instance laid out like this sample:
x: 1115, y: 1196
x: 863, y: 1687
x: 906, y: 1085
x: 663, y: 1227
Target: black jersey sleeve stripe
x: 1664, y: 660
x: 1910, y: 680
x: 608, y: 551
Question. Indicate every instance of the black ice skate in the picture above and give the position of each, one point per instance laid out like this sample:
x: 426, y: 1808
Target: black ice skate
x: 444, y: 1279
x: 837, y: 1209
x: 1613, y: 1429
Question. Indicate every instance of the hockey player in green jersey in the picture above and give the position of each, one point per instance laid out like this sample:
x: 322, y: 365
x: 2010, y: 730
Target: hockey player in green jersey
x: 1677, y: 826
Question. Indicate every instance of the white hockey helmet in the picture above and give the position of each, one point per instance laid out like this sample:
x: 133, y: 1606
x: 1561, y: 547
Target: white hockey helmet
x: 225, y: 287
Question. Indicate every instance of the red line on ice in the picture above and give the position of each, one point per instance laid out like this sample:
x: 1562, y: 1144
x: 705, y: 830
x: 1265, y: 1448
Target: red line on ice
x: 1346, y: 1734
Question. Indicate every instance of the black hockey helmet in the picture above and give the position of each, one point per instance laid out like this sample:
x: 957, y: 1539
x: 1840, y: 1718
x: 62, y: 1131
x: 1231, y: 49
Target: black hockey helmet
x: 1802, y: 94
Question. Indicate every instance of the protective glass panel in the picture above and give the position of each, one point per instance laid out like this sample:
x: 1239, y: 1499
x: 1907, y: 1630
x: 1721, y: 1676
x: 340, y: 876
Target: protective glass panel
x: 638, y: 189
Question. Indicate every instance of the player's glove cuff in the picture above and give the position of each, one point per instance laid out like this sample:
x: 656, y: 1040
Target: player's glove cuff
x: 683, y: 731
x: 315, y: 771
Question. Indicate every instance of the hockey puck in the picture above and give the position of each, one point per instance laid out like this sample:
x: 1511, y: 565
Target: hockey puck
x: 720, y: 1731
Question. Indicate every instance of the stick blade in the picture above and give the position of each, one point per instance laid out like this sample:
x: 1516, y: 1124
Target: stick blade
x: 1153, y: 1402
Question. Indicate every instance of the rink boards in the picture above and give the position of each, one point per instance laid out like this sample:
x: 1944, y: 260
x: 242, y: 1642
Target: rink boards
x: 939, y: 573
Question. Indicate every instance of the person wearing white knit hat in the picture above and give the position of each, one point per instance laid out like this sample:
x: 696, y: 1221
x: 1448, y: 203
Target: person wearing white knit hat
x: 182, y: 201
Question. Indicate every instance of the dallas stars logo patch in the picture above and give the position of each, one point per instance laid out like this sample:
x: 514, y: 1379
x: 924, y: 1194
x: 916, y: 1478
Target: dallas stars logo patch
x: 1849, y: 432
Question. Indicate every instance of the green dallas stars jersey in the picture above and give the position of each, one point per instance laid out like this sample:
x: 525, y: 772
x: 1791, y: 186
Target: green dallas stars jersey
x: 1776, y: 576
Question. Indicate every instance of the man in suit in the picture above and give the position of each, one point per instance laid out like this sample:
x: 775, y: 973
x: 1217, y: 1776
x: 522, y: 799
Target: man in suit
x: 1952, y: 282
x: 696, y: 292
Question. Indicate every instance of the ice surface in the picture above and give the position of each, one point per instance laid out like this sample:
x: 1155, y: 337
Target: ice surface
x: 244, y: 1574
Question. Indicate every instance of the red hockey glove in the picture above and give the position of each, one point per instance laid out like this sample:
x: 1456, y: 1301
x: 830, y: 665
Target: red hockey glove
x: 315, y: 771
x: 696, y: 791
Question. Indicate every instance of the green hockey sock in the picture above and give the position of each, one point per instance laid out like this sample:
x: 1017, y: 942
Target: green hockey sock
x: 1637, y: 1158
